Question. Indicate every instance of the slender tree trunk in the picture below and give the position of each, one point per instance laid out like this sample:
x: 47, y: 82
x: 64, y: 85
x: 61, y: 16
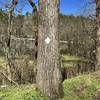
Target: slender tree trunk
x: 35, y: 17
x: 98, y: 34
x: 7, y: 45
x: 48, y: 70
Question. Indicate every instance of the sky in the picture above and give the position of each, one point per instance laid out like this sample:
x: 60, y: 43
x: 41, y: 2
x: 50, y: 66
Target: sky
x: 67, y: 7
x: 71, y: 7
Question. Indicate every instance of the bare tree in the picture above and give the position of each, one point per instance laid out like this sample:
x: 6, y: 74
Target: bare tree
x: 7, y: 43
x: 98, y: 33
x: 35, y: 17
x: 48, y: 70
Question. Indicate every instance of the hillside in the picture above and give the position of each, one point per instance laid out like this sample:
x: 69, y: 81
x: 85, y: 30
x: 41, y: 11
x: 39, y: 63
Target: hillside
x: 84, y: 87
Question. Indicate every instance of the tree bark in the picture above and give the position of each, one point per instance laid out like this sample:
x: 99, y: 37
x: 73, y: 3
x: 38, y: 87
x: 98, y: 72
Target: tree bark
x: 98, y: 34
x: 35, y: 17
x: 48, y: 67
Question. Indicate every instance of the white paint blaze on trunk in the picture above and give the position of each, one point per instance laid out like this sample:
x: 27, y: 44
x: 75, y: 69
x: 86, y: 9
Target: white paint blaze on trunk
x: 47, y: 40
x: 48, y: 67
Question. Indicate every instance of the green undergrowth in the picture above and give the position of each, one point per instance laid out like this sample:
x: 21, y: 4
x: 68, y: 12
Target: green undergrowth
x: 68, y: 65
x: 29, y: 92
x: 69, y: 58
x: 72, y: 61
x: 79, y: 88
x: 2, y: 60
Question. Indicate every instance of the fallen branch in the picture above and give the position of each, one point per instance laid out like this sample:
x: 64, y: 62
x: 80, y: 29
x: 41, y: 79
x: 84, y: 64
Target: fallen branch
x: 10, y: 80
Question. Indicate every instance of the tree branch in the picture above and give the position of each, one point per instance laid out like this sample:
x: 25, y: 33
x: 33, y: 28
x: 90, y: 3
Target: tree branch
x: 33, y: 6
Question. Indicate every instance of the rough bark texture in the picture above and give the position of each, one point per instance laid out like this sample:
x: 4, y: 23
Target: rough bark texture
x: 48, y: 70
x: 98, y: 34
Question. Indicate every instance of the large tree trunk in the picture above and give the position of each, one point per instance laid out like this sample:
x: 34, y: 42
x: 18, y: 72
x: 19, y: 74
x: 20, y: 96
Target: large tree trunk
x: 98, y: 34
x: 48, y: 70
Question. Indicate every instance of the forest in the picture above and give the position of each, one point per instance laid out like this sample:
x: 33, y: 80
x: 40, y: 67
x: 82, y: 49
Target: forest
x: 48, y: 55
